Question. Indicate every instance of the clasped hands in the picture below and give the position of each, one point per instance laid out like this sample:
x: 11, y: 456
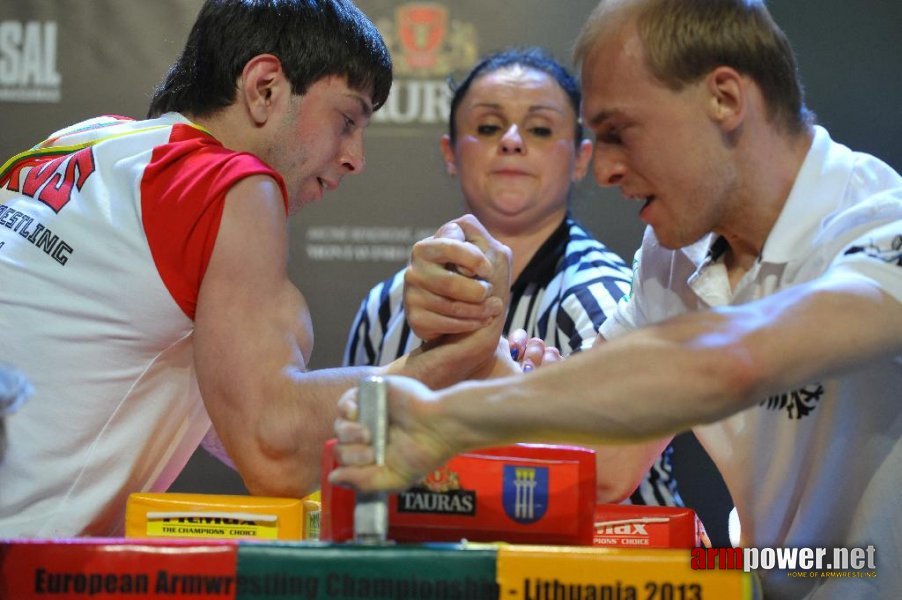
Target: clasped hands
x: 456, y: 292
x: 457, y: 288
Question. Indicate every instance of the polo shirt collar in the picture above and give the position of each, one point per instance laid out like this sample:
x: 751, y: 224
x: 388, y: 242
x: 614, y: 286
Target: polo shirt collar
x: 821, y: 180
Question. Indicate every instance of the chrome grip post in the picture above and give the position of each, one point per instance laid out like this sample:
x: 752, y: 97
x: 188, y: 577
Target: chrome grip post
x: 371, y: 509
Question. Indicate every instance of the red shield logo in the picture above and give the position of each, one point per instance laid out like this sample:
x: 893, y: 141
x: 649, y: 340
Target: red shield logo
x: 422, y: 27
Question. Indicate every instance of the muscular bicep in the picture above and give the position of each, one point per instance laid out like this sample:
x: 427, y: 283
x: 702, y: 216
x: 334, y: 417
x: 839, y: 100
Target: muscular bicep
x: 252, y: 327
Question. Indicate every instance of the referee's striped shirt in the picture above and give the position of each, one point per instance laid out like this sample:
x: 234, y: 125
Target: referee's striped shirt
x: 562, y: 296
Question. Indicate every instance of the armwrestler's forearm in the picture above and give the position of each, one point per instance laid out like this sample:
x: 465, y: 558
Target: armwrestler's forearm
x: 614, y: 394
x: 693, y: 369
x: 287, y: 437
x: 620, y: 468
x: 277, y: 450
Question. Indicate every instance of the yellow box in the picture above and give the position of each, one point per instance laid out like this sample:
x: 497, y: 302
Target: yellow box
x: 548, y: 572
x: 176, y: 515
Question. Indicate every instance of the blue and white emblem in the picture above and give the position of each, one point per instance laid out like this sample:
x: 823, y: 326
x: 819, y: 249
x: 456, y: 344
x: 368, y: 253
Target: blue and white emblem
x: 525, y: 493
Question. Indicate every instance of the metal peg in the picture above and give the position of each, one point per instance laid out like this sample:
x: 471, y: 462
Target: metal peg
x: 371, y: 509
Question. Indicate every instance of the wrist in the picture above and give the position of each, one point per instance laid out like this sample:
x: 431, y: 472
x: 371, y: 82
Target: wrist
x: 434, y: 367
x: 460, y: 419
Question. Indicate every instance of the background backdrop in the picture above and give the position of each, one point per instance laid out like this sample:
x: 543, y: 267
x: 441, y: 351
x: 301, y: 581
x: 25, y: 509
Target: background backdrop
x: 65, y: 60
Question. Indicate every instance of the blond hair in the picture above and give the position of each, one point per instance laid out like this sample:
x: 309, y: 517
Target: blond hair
x: 684, y: 40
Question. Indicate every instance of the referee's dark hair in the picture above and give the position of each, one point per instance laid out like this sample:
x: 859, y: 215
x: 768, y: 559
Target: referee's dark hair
x: 532, y: 57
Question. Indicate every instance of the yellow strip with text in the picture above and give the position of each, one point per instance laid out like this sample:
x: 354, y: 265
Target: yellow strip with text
x: 213, y: 528
x: 550, y: 572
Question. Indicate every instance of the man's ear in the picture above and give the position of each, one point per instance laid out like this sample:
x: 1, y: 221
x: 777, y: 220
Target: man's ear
x: 448, y: 155
x: 728, y: 97
x: 583, y: 159
x: 263, y: 85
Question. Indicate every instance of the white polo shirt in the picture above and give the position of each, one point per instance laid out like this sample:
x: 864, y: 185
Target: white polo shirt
x: 821, y: 465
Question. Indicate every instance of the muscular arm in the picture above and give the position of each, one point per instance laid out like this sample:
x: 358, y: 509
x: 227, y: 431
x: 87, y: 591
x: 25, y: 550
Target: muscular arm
x: 693, y: 369
x: 620, y: 468
x: 253, y: 338
x: 699, y: 367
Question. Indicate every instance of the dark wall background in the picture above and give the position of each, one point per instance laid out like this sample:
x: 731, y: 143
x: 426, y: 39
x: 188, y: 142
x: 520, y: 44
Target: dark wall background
x: 65, y: 60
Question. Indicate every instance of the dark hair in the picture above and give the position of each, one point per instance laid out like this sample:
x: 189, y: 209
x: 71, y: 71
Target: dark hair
x: 532, y: 57
x: 312, y: 38
x: 686, y: 40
